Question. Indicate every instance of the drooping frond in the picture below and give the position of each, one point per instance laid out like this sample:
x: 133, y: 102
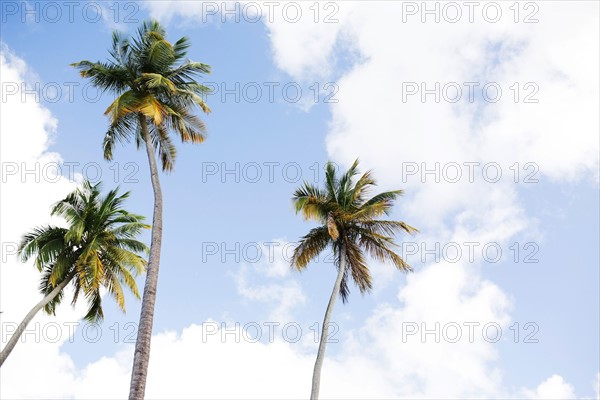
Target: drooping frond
x: 310, y: 246
x: 188, y: 126
x: 164, y: 146
x: 46, y: 287
x: 120, y: 131
x: 379, y: 247
x: 357, y: 267
x: 94, y: 312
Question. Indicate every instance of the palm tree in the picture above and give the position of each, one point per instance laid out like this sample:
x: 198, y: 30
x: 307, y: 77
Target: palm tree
x: 156, y: 93
x: 349, y: 224
x: 98, y: 249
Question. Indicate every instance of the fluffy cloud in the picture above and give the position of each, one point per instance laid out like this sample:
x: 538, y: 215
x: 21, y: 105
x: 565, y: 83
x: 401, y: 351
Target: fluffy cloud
x: 552, y: 388
x: 275, y: 287
x: 558, y: 134
x: 27, y: 130
x: 300, y: 47
x: 385, y: 358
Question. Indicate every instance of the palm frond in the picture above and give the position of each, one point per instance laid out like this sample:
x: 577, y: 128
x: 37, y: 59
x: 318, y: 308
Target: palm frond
x: 379, y: 248
x: 310, y: 246
x: 311, y: 201
x: 357, y: 267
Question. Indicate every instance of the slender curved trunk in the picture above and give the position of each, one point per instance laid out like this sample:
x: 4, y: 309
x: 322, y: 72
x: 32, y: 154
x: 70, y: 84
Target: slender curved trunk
x: 316, y: 379
x: 23, y: 325
x: 141, y: 357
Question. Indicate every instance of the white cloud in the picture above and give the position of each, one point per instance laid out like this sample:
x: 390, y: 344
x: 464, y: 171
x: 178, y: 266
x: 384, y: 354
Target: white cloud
x: 164, y: 11
x: 426, y: 365
x: 554, y: 387
x: 305, y: 49
x: 300, y: 47
x: 283, y: 296
x: 276, y: 288
x: 208, y: 361
x: 27, y: 130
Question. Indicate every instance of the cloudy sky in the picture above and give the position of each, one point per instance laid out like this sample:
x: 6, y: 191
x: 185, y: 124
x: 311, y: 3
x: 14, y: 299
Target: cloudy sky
x: 485, y: 113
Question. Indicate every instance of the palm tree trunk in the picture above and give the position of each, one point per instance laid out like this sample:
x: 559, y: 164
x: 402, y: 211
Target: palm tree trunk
x: 23, y: 325
x: 141, y: 357
x: 316, y: 379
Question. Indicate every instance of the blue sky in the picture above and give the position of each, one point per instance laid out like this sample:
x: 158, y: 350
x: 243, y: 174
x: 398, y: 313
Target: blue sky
x: 369, y: 59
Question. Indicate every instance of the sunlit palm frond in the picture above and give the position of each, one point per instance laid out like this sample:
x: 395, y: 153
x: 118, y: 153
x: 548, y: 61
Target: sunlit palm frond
x: 311, y: 202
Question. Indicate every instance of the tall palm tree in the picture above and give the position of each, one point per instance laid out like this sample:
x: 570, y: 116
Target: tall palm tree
x: 98, y: 249
x: 156, y: 93
x: 349, y: 224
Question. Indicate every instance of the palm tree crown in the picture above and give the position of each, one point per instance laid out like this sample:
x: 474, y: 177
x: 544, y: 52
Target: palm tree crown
x: 349, y: 224
x: 151, y: 78
x: 97, y: 249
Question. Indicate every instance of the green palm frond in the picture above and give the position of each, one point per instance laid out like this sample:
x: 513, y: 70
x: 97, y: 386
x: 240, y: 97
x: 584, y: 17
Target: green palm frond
x: 379, y: 247
x: 113, y: 286
x: 120, y: 131
x: 158, y: 82
x: 189, y: 127
x: 383, y: 201
x: 345, y: 183
x: 180, y: 48
x: 164, y: 147
x: 331, y: 182
x: 46, y: 241
x: 105, y: 76
x: 94, y: 312
x: 389, y: 228
x: 187, y: 72
x: 361, y: 188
